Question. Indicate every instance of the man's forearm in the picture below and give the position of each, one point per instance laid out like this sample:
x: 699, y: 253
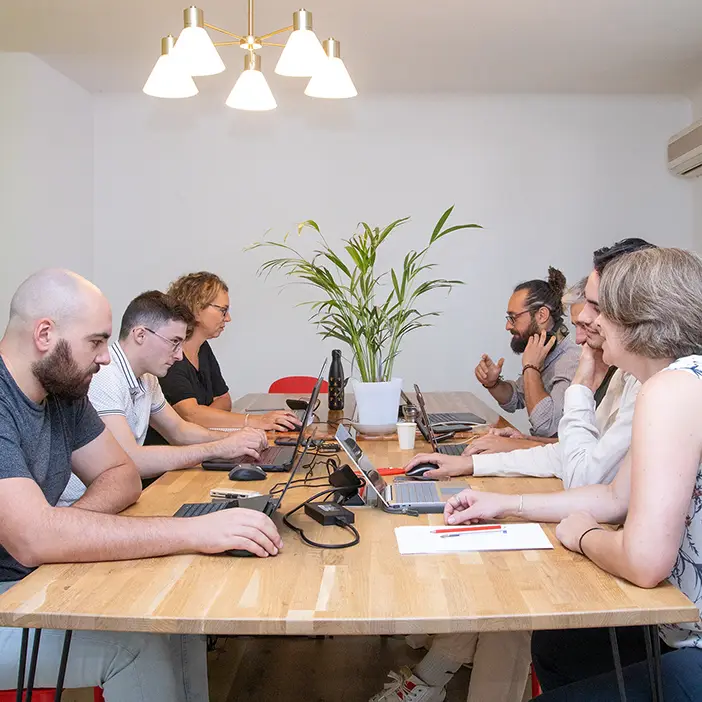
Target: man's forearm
x: 112, y: 491
x: 75, y: 535
x: 156, y: 460
x: 534, y: 390
x: 502, y: 392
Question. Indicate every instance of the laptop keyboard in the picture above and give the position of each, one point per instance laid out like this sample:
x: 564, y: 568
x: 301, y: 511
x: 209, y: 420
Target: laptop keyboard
x: 452, y: 449
x: 200, y: 508
x: 415, y: 492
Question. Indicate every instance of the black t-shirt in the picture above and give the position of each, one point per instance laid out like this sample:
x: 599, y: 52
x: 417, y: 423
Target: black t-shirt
x: 184, y: 382
x: 36, y: 442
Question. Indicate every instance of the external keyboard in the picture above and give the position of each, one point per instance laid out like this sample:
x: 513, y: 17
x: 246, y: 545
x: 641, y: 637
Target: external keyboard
x: 452, y: 449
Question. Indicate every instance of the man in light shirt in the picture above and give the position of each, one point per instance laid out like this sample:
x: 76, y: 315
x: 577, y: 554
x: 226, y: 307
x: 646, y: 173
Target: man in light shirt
x: 128, y: 397
x: 591, y: 445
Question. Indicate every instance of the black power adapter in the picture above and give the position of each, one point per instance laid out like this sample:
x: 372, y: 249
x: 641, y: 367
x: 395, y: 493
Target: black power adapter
x: 329, y: 513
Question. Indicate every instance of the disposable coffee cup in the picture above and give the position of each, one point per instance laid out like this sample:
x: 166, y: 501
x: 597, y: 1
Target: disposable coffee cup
x: 405, y: 434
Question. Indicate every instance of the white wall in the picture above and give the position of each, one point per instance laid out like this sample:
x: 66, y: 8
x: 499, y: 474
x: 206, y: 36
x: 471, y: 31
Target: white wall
x: 696, y: 183
x: 46, y: 173
x: 186, y: 186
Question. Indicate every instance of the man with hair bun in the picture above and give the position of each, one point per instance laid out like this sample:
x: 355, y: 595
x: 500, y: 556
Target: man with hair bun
x: 549, y: 356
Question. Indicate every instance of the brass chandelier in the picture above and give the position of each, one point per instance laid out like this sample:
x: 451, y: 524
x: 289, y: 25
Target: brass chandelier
x: 195, y: 54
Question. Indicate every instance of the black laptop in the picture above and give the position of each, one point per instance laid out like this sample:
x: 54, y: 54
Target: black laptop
x: 274, y: 459
x: 263, y: 503
x: 449, y: 421
x: 427, y: 430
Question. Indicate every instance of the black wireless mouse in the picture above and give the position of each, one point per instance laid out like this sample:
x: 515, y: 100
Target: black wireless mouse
x: 247, y: 471
x: 417, y: 472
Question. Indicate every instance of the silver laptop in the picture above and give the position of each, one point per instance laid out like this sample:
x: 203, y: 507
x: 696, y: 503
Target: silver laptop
x: 402, y: 496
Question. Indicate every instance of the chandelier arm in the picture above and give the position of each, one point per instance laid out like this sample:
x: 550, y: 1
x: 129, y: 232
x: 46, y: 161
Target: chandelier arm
x: 223, y: 31
x: 270, y: 43
x: 227, y: 43
x: 277, y: 31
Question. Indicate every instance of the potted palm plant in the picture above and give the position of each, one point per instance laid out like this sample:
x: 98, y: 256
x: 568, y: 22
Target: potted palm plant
x: 369, y: 311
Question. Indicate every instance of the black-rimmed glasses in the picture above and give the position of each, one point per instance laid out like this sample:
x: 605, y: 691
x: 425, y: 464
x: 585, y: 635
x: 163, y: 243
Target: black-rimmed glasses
x: 223, y: 310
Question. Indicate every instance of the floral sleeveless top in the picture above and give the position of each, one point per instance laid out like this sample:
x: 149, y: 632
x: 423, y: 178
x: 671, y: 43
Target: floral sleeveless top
x: 687, y: 571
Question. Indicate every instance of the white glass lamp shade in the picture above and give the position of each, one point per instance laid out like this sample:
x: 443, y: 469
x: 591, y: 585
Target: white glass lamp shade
x: 332, y: 80
x: 195, y: 50
x: 168, y: 78
x: 251, y: 91
x: 302, y: 55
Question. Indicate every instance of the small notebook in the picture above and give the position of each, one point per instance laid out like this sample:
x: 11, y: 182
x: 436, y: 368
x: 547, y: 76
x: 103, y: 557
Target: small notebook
x: 511, y: 537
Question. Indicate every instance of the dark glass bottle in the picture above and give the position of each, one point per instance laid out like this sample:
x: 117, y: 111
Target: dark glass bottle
x: 336, y: 382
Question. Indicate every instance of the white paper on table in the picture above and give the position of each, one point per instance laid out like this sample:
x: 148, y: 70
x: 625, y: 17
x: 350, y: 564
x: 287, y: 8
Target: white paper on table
x: 512, y: 537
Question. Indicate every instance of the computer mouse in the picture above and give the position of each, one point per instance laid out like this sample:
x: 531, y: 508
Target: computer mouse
x: 417, y: 472
x: 247, y: 471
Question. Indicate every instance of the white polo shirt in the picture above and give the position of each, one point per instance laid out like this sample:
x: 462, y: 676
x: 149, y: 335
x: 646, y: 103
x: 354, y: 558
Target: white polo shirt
x: 115, y: 389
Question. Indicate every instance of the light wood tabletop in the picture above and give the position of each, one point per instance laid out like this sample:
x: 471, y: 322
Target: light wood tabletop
x: 366, y: 589
x: 327, y: 420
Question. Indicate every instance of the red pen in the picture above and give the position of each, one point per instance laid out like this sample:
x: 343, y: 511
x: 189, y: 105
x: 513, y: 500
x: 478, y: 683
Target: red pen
x: 478, y: 527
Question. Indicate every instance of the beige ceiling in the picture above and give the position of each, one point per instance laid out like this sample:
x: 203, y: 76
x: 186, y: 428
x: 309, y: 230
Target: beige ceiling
x: 393, y: 45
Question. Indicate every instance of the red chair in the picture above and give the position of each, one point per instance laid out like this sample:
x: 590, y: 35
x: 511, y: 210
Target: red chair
x: 295, y: 384
x: 43, y: 695
x: 535, y: 687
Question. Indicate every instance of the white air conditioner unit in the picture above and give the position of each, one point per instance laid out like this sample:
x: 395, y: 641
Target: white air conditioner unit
x: 685, y: 152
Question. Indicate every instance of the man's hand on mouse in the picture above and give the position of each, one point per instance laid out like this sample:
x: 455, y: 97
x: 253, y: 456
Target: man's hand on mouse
x: 279, y: 420
x: 446, y: 466
x: 245, y: 442
x: 238, y: 528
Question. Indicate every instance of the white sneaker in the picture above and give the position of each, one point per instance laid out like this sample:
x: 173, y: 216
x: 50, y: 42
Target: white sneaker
x: 407, y: 687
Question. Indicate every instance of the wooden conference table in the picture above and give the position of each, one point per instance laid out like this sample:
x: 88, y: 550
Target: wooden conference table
x: 367, y: 589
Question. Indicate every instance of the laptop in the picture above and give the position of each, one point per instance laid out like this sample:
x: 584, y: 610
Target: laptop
x: 402, y: 496
x: 263, y: 503
x: 427, y: 430
x: 274, y: 459
x: 450, y: 421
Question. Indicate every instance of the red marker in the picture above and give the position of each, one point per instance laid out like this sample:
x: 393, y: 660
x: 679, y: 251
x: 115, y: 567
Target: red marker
x: 478, y: 527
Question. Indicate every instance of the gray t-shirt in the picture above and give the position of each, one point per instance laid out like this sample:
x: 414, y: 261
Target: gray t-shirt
x: 36, y: 442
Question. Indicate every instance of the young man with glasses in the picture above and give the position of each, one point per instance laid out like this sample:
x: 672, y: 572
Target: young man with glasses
x: 128, y: 397
x: 549, y: 356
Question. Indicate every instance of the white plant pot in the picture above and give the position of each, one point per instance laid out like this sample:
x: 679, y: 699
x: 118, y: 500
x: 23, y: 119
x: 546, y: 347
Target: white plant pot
x: 377, y: 403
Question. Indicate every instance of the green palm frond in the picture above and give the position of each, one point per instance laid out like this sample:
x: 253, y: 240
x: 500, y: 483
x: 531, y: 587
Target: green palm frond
x: 354, y: 305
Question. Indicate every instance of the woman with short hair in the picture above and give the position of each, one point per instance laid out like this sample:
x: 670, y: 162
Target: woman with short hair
x: 195, y: 386
x: 651, y: 320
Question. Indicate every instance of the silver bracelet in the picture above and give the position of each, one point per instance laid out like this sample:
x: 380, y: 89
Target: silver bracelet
x: 521, y: 504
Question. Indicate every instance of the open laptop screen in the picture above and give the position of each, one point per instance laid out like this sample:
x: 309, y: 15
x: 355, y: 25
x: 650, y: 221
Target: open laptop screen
x: 362, y: 462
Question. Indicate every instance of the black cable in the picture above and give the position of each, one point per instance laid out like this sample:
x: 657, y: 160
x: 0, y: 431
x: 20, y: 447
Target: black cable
x: 300, y: 532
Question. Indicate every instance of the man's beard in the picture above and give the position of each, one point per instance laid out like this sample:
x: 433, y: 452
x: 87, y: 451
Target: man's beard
x: 519, y: 341
x: 60, y: 375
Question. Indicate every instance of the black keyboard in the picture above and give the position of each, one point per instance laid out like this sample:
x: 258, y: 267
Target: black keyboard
x: 199, y: 508
x: 452, y: 449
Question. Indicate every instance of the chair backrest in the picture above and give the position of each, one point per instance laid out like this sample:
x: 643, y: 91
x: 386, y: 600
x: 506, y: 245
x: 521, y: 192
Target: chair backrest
x: 297, y: 384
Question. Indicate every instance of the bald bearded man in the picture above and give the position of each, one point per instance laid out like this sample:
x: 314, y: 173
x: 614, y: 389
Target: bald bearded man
x: 55, y: 341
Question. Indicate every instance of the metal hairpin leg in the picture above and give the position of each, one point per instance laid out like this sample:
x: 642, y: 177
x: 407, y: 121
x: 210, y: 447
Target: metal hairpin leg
x: 63, y: 665
x: 617, y: 663
x: 651, y: 667
x: 22, y: 664
x: 33, y: 664
x: 657, y: 662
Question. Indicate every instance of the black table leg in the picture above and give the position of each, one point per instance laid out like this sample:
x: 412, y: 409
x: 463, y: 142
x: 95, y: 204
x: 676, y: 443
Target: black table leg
x: 651, y: 666
x: 617, y: 663
x: 33, y: 664
x: 22, y: 664
x: 62, y: 667
x: 657, y: 662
